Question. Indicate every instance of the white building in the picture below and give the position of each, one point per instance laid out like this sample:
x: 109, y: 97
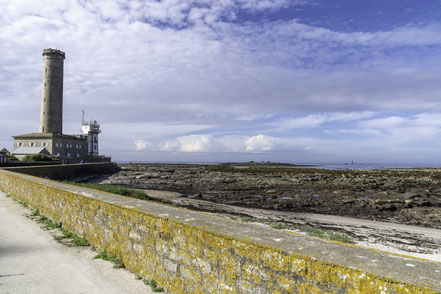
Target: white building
x: 91, y: 129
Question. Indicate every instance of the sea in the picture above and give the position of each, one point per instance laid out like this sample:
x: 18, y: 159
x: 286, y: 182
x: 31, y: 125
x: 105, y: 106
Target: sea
x: 333, y: 166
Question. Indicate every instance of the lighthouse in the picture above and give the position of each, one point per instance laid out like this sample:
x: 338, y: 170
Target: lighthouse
x: 51, y: 115
x: 50, y: 139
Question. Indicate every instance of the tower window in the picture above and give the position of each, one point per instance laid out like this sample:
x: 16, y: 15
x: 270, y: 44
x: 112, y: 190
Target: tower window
x: 20, y: 144
x: 32, y: 144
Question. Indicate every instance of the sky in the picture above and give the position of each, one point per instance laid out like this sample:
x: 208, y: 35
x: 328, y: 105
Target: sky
x: 300, y: 81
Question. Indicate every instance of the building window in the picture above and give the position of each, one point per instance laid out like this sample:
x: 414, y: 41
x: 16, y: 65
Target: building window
x: 32, y: 144
x: 94, y: 147
x: 43, y: 144
x: 78, y: 155
x: 58, y: 154
x: 68, y: 154
x: 20, y: 144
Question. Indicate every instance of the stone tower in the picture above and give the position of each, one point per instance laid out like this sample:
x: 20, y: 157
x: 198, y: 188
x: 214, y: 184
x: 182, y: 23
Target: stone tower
x: 51, y: 116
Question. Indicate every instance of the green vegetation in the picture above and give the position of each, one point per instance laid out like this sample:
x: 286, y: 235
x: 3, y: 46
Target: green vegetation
x: 74, y: 240
x: 384, y: 239
x: 430, y: 245
x: 309, y: 230
x: 48, y: 224
x: 116, y: 190
x: 117, y: 261
x: 340, y: 237
x: 24, y: 204
x: 154, y: 285
x: 35, y: 212
x: 11, y: 157
x: 38, y: 157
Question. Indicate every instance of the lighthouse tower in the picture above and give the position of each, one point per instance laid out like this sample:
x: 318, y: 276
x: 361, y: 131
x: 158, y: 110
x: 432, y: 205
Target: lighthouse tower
x: 51, y: 116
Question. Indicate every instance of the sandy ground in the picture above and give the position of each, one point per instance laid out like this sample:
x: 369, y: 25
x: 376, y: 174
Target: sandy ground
x: 31, y: 261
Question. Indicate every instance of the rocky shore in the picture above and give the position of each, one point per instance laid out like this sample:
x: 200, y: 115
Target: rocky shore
x: 405, y: 196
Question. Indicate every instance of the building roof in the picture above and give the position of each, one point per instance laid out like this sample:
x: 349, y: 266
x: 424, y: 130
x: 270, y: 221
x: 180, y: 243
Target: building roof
x: 30, y: 150
x: 46, y: 136
x: 4, y: 151
x: 35, y: 135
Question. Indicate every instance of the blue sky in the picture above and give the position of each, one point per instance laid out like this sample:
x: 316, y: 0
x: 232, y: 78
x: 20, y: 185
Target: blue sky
x: 233, y: 80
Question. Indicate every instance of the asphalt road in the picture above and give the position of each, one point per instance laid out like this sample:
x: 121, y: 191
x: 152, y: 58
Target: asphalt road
x: 32, y: 262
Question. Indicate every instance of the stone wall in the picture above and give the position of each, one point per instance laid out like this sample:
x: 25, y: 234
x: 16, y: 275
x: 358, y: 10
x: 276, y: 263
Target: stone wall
x: 27, y: 163
x: 191, y: 252
x: 67, y: 172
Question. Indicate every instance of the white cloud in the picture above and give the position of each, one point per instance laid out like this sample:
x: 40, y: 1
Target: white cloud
x: 141, y: 145
x: 259, y: 143
x: 195, y: 143
x: 171, y: 146
x: 191, y: 143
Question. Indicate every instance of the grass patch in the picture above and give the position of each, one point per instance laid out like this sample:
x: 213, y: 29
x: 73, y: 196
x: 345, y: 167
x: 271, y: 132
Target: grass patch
x: 277, y: 226
x: 312, y: 231
x: 24, y: 204
x: 35, y: 212
x: 384, y: 239
x: 309, y: 230
x: 117, y: 261
x: 48, y: 224
x: 154, y: 285
x: 74, y: 240
x: 429, y: 245
x: 340, y: 237
x: 115, y: 190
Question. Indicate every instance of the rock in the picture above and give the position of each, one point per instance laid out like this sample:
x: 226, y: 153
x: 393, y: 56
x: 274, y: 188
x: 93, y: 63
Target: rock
x: 384, y: 194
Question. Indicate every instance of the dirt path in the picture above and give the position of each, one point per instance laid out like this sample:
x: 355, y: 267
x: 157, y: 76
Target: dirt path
x: 31, y: 261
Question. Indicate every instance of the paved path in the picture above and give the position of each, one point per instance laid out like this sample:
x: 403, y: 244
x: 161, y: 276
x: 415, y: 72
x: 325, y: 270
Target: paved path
x: 32, y: 262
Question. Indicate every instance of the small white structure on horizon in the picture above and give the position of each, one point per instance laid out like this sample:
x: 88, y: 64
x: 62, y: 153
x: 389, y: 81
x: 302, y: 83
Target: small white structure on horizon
x: 91, y: 129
